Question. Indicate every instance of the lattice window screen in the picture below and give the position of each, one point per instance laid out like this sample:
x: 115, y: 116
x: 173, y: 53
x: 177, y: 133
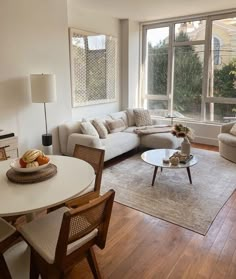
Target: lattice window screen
x: 93, y: 68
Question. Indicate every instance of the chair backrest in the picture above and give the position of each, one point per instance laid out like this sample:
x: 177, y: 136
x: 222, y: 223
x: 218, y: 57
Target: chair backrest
x: 79, y: 222
x: 93, y: 156
x: 3, y: 155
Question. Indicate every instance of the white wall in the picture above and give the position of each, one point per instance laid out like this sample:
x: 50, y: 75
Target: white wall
x: 88, y: 21
x: 34, y: 39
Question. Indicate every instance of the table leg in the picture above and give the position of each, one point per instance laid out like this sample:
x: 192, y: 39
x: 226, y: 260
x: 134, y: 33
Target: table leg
x: 154, y: 175
x: 189, y: 175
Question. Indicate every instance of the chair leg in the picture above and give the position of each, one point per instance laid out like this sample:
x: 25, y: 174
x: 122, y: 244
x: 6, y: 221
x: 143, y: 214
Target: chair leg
x: 93, y: 264
x: 34, y: 273
x: 4, y: 269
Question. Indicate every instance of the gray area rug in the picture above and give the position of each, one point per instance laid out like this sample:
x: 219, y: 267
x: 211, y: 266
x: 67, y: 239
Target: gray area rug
x: 172, y: 198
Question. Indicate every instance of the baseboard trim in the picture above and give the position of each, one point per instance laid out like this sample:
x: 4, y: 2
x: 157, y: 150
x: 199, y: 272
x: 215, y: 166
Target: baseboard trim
x: 205, y: 140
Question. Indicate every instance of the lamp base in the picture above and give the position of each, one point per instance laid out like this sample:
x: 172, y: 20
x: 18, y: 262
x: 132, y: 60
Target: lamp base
x: 47, y: 144
x: 47, y: 139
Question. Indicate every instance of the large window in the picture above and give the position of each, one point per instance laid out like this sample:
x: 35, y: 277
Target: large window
x: 190, y: 68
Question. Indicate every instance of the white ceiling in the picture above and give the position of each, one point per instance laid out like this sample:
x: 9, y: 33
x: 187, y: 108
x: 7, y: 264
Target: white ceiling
x: 144, y: 10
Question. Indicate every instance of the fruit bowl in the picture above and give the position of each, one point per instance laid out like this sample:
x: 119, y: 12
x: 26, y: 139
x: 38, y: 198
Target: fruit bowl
x: 17, y: 167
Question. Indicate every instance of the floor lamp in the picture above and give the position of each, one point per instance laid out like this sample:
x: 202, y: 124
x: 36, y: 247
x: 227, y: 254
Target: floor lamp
x: 43, y: 90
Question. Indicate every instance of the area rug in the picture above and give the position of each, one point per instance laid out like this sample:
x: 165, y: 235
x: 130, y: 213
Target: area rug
x: 172, y: 198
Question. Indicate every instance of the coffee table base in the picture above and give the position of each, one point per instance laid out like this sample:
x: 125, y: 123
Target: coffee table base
x: 155, y: 174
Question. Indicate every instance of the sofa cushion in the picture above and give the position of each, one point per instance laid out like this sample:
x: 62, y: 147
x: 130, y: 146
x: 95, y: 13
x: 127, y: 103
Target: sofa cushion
x: 233, y: 130
x: 100, y: 127
x: 120, y: 115
x: 119, y: 143
x: 142, y: 117
x: 130, y: 129
x: 115, y: 126
x: 88, y: 129
x: 130, y: 116
x: 161, y: 140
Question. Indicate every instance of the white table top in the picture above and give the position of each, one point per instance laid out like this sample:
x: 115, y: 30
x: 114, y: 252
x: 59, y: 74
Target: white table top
x: 73, y: 176
x: 155, y: 157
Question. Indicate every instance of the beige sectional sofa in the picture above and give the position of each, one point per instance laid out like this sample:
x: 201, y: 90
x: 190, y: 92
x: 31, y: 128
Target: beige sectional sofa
x: 115, y: 143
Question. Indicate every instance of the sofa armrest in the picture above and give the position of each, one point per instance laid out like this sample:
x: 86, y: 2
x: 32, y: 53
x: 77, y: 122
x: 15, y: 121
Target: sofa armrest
x: 65, y: 130
x: 82, y: 139
x: 225, y: 128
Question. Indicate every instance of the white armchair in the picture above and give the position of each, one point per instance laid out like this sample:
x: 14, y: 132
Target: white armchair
x: 227, y: 142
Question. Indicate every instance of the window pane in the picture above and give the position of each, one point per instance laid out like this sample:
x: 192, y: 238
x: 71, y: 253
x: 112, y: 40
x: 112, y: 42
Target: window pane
x: 223, y: 59
x: 188, y: 69
x: 220, y: 112
x: 158, y: 107
x: 190, y: 31
x: 157, y: 60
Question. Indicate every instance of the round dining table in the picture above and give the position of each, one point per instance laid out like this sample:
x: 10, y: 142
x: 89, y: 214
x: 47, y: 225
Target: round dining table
x: 72, y: 178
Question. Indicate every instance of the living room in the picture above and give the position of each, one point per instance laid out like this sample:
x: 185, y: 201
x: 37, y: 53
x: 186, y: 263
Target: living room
x: 35, y: 40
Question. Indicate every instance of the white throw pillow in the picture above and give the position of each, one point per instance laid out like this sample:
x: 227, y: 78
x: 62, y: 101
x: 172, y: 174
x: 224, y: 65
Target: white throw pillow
x: 115, y: 126
x: 142, y: 117
x: 233, y: 130
x: 88, y: 129
x: 100, y: 127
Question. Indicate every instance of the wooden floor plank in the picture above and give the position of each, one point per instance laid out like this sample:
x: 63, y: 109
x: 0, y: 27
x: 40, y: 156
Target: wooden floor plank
x: 140, y: 246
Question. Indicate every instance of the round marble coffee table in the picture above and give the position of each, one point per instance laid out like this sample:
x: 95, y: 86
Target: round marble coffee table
x: 155, y: 158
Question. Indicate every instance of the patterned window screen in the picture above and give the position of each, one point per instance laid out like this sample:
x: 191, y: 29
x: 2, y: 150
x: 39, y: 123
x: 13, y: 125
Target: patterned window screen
x: 93, y: 68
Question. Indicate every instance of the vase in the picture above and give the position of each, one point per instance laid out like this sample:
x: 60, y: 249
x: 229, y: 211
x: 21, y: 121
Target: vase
x: 185, y: 146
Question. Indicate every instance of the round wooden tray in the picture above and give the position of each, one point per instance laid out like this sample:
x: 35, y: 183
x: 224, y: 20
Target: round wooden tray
x: 32, y: 177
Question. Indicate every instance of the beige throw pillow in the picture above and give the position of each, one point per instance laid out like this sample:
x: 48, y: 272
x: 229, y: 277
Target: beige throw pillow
x: 115, y: 126
x: 130, y: 116
x: 100, y: 127
x: 142, y: 117
x: 88, y: 129
x: 233, y: 130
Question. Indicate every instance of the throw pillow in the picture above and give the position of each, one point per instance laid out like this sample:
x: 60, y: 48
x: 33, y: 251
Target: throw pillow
x: 142, y: 117
x: 88, y: 129
x: 130, y: 116
x: 120, y: 115
x: 233, y: 130
x: 115, y: 126
x: 100, y: 127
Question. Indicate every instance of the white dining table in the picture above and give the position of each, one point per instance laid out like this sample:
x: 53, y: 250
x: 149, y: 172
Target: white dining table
x: 72, y: 178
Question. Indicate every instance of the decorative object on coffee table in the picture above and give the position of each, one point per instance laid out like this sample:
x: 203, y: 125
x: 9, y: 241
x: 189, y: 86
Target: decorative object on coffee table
x: 186, y: 133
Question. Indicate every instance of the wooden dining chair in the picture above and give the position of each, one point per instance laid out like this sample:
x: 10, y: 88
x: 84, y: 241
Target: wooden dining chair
x: 62, y: 238
x: 8, y: 236
x: 95, y: 157
x: 3, y: 155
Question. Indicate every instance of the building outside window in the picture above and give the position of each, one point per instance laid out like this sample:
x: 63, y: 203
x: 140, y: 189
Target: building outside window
x: 189, y: 68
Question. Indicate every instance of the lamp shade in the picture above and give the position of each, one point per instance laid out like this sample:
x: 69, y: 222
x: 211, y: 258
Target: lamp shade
x: 43, y: 88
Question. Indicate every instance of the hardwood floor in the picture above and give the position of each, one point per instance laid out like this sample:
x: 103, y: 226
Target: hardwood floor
x: 141, y: 246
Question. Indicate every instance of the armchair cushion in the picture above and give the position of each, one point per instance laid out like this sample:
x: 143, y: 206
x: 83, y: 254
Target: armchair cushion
x: 233, y: 130
x: 227, y: 139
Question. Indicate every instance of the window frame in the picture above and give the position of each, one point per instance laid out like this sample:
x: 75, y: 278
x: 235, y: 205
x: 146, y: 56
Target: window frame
x: 207, y: 71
